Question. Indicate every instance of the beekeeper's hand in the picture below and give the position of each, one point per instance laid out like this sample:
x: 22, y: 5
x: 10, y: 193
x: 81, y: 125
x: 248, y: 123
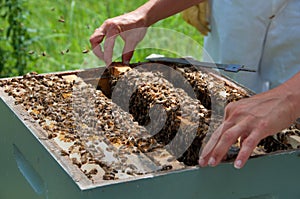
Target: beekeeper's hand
x: 251, y: 120
x: 132, y: 27
x: 129, y: 26
x: 198, y: 16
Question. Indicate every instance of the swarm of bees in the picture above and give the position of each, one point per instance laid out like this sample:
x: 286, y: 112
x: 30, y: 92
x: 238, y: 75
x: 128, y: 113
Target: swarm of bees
x: 148, y: 125
x: 94, y: 133
x: 147, y: 92
x: 173, y: 118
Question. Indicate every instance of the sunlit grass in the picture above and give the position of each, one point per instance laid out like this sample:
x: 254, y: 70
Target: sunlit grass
x: 60, y: 31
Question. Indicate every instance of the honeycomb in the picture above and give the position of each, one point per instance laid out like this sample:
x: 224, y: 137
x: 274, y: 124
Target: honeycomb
x: 150, y: 125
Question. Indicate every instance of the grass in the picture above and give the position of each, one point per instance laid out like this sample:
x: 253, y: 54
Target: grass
x: 59, y: 46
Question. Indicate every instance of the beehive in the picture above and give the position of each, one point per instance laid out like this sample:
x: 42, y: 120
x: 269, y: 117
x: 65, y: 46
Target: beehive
x: 98, y: 142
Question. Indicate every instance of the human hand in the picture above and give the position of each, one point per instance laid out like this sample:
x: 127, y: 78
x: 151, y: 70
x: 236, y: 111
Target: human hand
x: 131, y: 28
x: 251, y: 120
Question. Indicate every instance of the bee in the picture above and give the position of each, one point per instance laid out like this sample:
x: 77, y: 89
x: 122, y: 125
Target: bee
x: 61, y: 19
x: 93, y: 172
x: 85, y: 51
x: 64, y: 153
x: 109, y: 176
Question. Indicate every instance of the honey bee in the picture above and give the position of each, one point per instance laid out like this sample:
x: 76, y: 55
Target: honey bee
x: 85, y: 51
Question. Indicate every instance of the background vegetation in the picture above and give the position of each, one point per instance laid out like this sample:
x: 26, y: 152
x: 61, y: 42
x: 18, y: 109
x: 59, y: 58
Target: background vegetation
x: 47, y: 36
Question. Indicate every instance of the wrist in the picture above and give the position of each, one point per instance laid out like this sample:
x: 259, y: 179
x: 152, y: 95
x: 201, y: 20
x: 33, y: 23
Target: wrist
x: 292, y: 106
x: 144, y: 14
x: 292, y: 98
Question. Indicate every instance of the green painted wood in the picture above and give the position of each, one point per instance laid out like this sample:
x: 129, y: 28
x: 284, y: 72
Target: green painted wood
x: 268, y: 177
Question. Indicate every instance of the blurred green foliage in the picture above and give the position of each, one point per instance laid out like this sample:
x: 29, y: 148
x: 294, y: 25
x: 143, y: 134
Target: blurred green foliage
x: 47, y: 36
x: 14, y: 38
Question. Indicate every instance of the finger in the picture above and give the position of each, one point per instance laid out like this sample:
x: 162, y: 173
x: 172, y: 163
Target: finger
x: 131, y: 39
x: 112, y: 32
x: 228, y: 138
x: 209, y: 146
x: 128, y: 51
x: 229, y: 110
x: 247, y: 148
x: 108, y: 48
x: 97, y: 37
x: 126, y: 57
x: 215, y: 138
x: 242, y: 138
x: 98, y: 52
x: 95, y: 40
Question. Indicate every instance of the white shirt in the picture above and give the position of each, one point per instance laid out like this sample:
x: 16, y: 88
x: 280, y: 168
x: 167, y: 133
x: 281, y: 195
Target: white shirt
x: 261, y: 34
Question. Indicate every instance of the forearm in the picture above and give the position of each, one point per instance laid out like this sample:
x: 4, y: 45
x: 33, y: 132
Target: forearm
x: 292, y: 90
x: 289, y: 92
x: 155, y: 10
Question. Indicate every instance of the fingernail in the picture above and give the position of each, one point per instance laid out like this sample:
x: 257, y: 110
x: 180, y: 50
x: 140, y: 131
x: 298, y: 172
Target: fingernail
x: 212, y: 161
x: 201, y: 161
x: 238, y: 164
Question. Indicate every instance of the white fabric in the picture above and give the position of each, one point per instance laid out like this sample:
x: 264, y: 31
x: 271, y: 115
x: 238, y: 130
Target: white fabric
x: 262, y: 34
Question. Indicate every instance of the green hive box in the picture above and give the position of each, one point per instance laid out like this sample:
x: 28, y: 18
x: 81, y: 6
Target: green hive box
x: 31, y: 168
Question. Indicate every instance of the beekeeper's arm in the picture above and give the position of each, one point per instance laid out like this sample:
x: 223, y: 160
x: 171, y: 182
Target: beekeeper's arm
x: 142, y: 17
x: 253, y: 119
